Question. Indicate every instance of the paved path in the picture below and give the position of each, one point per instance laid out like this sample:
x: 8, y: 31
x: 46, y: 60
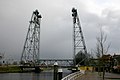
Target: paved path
x: 89, y: 76
x: 112, y: 76
x: 95, y: 76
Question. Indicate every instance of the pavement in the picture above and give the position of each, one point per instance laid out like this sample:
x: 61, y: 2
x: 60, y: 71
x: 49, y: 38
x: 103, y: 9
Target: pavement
x: 98, y: 76
x: 112, y: 76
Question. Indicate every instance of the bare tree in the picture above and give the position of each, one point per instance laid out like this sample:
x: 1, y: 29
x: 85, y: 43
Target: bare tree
x: 2, y: 55
x: 101, y: 48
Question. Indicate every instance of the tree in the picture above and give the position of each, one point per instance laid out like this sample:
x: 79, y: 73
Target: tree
x: 21, y: 62
x: 101, y: 48
x: 1, y: 55
x: 15, y: 63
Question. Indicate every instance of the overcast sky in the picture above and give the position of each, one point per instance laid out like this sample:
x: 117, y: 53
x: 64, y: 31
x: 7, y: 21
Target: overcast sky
x: 56, y: 25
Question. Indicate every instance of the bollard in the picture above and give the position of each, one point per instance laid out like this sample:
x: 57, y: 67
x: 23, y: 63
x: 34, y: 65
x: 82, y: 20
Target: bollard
x: 55, y: 71
x: 60, y: 72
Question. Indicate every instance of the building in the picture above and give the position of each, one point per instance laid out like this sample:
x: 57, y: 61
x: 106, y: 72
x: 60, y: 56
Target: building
x: 116, y: 65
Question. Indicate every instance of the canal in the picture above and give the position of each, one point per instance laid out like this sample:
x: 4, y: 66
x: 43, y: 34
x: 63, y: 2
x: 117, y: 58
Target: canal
x: 44, y: 75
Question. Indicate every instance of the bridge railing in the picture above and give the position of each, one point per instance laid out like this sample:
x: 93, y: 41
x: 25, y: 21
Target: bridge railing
x: 73, y: 76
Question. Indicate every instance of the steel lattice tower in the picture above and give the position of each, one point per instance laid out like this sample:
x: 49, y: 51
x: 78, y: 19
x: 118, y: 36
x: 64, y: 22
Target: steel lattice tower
x: 78, y: 38
x: 32, y: 43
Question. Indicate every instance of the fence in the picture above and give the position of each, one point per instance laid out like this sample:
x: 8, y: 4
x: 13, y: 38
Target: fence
x: 73, y: 76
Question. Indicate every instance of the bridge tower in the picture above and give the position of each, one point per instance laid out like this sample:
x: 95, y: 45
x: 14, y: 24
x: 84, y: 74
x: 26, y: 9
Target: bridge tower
x: 30, y: 53
x: 78, y: 38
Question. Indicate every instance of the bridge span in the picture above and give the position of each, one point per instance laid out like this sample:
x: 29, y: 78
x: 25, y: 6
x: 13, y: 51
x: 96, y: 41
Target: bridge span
x: 48, y: 63
x: 61, y: 62
x: 55, y: 59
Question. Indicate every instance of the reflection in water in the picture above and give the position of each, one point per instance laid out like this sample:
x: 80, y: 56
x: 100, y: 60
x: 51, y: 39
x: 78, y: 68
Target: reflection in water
x: 35, y: 76
x: 45, y: 75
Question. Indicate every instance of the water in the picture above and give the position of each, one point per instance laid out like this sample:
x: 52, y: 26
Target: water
x: 45, y: 75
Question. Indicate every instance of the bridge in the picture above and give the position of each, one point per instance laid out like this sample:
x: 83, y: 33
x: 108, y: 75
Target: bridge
x: 56, y: 60
x: 30, y: 53
x: 61, y: 62
x: 43, y: 63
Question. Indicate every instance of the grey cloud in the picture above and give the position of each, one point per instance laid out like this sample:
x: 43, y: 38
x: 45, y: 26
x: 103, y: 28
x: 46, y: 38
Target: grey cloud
x: 56, y: 26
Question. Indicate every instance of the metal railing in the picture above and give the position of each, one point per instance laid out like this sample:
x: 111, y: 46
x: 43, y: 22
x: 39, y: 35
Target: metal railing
x: 73, y: 76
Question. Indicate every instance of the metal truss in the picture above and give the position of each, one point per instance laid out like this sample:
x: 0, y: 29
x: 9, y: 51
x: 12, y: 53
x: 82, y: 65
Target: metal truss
x: 61, y: 62
x: 31, y: 48
x: 78, y: 38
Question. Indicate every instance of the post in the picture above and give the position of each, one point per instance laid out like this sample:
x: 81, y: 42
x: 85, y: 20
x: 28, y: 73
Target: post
x: 55, y: 71
x: 103, y: 71
x: 60, y: 72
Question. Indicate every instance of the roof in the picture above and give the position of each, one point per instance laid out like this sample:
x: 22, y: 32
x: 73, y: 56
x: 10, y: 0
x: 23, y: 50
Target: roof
x: 106, y: 56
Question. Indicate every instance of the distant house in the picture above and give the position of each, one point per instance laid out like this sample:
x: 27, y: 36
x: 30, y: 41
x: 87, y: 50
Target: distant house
x: 106, y: 58
x: 117, y: 59
x: 116, y: 65
x: 111, y: 63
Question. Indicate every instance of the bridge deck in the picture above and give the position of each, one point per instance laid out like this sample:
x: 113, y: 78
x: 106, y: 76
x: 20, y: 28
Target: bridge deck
x: 55, y: 59
x: 45, y: 66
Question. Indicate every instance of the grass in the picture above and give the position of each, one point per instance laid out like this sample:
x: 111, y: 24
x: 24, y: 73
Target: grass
x: 7, y: 69
x: 16, y: 69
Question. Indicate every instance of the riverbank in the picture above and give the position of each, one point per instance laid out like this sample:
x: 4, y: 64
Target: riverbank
x: 10, y: 69
x: 17, y: 69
